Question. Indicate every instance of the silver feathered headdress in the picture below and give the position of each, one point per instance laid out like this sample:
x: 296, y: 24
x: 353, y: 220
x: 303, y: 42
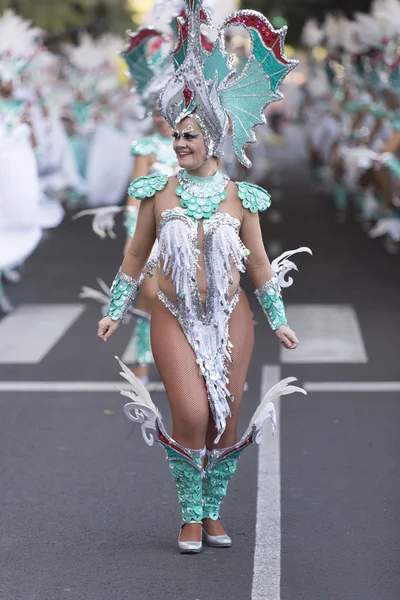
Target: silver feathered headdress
x: 206, y: 86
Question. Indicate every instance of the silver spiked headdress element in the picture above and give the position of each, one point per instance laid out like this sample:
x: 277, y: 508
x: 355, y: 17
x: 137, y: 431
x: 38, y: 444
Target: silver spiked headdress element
x: 205, y: 85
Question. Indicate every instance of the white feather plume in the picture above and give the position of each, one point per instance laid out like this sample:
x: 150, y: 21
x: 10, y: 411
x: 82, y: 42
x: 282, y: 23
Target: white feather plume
x: 387, y: 226
x: 381, y: 228
x: 103, y: 219
x: 266, y: 409
x: 312, y: 34
x: 142, y: 409
x: 86, y: 56
x: 19, y: 42
x: 103, y: 295
x: 281, y: 266
x: 351, y: 41
x: 109, y: 46
x: 387, y: 14
x: 18, y: 36
x: 369, y: 30
x: 332, y: 31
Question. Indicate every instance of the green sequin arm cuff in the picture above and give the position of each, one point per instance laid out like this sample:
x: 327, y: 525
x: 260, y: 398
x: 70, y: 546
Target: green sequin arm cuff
x: 123, y: 292
x: 130, y: 221
x: 270, y: 298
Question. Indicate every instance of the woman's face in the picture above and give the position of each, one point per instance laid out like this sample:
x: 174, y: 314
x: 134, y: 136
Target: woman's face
x: 161, y: 125
x: 189, y: 144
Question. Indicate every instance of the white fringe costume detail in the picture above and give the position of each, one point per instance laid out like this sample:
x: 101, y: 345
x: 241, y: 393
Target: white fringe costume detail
x: 206, y: 330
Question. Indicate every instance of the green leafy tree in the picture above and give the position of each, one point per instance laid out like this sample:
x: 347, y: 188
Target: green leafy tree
x: 296, y: 12
x: 58, y: 16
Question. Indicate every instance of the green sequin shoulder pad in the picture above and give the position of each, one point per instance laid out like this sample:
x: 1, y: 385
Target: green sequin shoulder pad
x: 253, y: 197
x: 146, y: 187
x: 143, y: 147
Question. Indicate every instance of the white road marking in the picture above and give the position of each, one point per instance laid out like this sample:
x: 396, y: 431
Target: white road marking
x: 328, y: 333
x: 75, y: 386
x: 352, y: 386
x: 267, y: 555
x: 72, y: 386
x: 32, y: 330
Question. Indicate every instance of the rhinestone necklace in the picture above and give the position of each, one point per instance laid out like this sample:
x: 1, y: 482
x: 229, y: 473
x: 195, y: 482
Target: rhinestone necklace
x: 201, y: 196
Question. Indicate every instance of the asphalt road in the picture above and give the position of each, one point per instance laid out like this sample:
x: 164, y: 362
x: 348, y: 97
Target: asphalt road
x: 89, y: 512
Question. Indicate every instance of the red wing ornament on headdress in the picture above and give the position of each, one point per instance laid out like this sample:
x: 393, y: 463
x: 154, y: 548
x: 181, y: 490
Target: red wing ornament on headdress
x: 245, y: 97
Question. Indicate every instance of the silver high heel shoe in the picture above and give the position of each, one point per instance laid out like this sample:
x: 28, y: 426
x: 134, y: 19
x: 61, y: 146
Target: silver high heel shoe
x: 189, y: 547
x: 217, y: 541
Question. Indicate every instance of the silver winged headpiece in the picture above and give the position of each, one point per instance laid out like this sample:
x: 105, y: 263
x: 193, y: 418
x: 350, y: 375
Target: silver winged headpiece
x: 206, y: 87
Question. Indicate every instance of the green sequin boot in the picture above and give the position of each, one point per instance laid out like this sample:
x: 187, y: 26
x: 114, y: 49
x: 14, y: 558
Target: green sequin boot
x: 144, y: 355
x: 220, y: 469
x: 186, y: 467
x: 188, y: 475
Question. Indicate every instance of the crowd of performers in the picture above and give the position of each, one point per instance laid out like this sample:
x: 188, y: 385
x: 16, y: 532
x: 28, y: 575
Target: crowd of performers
x: 66, y: 126
x: 352, y: 107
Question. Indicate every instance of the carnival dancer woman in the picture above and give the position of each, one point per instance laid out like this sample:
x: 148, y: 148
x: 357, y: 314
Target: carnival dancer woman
x: 153, y: 154
x: 147, y: 55
x: 208, y: 230
x: 150, y: 67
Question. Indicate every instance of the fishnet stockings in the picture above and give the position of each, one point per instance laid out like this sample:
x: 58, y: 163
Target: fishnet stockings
x: 192, y: 423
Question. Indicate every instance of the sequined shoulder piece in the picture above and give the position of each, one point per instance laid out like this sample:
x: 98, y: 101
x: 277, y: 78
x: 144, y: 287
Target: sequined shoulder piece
x: 253, y: 197
x: 143, y: 147
x: 146, y: 187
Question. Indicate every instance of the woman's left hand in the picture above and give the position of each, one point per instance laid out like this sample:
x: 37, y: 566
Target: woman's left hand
x: 287, y: 337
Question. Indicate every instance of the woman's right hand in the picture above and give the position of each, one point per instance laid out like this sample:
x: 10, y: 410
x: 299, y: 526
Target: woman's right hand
x: 106, y: 328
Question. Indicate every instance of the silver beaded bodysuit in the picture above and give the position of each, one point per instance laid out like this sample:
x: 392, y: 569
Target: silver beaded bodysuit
x: 205, y: 328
